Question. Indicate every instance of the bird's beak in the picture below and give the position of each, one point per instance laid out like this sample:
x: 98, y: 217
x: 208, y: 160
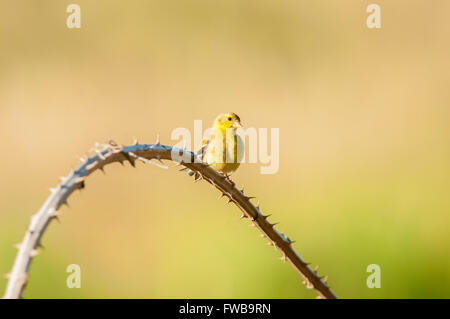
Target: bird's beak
x: 237, y: 124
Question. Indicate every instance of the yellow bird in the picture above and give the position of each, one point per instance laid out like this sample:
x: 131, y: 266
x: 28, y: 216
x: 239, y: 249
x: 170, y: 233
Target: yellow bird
x: 224, y: 149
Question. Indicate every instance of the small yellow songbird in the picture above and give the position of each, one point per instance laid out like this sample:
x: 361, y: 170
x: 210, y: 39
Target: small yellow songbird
x: 220, y: 150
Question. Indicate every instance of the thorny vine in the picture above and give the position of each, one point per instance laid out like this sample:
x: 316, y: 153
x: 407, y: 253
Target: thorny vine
x: 151, y: 153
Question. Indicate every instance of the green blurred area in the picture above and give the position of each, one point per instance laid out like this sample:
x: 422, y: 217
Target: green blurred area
x: 363, y: 114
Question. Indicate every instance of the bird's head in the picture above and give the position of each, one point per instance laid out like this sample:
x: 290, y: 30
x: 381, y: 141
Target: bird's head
x: 227, y: 121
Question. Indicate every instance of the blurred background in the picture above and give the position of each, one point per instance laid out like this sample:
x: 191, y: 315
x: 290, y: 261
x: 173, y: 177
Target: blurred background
x: 363, y: 114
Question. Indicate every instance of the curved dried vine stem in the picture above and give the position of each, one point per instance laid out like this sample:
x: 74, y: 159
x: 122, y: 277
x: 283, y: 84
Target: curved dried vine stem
x: 111, y: 153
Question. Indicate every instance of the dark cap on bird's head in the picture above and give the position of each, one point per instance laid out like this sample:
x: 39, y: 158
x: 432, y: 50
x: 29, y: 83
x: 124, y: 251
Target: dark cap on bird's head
x: 236, y: 116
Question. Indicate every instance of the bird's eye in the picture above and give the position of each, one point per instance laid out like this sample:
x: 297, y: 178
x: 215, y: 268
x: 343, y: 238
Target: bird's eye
x: 229, y: 119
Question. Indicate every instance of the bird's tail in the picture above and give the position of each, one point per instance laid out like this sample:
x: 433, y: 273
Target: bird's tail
x: 200, y: 154
x: 188, y: 171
